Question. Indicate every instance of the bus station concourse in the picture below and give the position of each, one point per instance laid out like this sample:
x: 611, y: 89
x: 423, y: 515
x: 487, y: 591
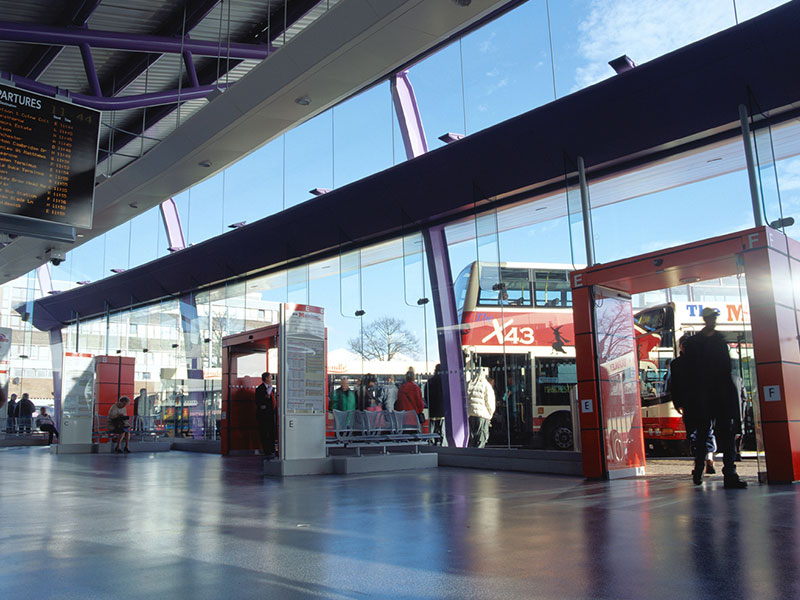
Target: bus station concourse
x: 450, y: 376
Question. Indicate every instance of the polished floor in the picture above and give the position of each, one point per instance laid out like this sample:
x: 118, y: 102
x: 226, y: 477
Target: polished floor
x: 192, y: 526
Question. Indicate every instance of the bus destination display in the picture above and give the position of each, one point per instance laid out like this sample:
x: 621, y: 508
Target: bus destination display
x: 48, y: 152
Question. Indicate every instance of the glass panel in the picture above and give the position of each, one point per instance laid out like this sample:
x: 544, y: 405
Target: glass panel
x: 619, y: 383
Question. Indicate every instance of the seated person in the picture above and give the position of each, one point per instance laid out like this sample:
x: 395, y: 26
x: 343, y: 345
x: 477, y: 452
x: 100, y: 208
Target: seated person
x: 118, y: 423
x: 45, y: 423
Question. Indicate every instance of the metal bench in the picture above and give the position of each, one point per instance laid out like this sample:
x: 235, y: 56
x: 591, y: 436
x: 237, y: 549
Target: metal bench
x: 357, y: 429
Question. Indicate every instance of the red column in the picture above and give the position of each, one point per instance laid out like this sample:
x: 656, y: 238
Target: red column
x: 586, y: 361
x: 771, y: 263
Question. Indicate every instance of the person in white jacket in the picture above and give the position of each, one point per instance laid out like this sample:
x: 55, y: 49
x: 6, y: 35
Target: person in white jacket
x: 480, y: 408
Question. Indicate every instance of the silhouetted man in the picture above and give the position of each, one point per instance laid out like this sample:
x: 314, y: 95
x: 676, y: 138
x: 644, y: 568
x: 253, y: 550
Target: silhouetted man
x: 265, y: 414
x: 716, y: 402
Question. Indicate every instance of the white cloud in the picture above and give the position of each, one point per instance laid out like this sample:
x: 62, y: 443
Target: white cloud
x: 487, y: 45
x: 789, y: 175
x: 647, y: 29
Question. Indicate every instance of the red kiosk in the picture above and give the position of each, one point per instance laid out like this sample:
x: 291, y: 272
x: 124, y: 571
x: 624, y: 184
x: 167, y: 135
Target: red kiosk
x: 608, y: 388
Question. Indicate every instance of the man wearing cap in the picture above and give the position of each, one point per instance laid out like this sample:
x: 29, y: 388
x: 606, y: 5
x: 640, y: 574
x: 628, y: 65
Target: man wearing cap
x: 717, y: 403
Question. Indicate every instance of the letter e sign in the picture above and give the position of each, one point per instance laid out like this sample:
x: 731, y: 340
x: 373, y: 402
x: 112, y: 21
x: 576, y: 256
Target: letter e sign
x: 586, y: 406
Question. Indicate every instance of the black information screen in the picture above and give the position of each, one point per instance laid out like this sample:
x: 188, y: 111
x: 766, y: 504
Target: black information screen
x: 48, y: 153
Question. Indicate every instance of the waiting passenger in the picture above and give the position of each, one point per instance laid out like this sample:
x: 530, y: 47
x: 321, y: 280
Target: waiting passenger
x: 343, y: 397
x: 480, y: 408
x: 409, y: 397
x: 370, y: 394
x: 266, y: 411
x: 24, y: 414
x: 436, y: 403
x: 12, y: 408
x: 118, y: 423
x: 389, y: 393
x: 45, y: 423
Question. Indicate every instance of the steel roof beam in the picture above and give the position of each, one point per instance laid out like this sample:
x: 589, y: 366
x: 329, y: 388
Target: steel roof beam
x: 169, y: 97
x: 136, y: 66
x: 111, y: 40
x: 262, y: 33
x: 41, y: 58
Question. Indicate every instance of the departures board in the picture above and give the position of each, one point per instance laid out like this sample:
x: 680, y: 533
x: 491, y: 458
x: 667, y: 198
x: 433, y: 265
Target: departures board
x: 48, y: 153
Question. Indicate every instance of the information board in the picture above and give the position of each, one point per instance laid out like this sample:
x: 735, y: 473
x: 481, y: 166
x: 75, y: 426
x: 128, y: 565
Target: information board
x: 305, y: 359
x: 48, y: 153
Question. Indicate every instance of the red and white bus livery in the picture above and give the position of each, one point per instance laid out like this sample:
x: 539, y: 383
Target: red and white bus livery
x: 516, y: 321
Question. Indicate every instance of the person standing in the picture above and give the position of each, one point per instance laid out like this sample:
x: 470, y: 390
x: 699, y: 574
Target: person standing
x: 436, y: 403
x: 716, y: 400
x: 10, y: 415
x: 480, y: 408
x: 265, y: 414
x: 45, y: 423
x: 680, y: 389
x: 24, y: 413
x: 409, y: 397
x: 343, y: 397
x: 389, y: 393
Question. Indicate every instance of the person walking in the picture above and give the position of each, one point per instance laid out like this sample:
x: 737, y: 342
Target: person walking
x: 266, y: 409
x: 480, y: 408
x: 24, y: 414
x: 716, y: 402
x: 343, y: 397
x: 46, y: 423
x: 680, y: 390
x: 436, y: 404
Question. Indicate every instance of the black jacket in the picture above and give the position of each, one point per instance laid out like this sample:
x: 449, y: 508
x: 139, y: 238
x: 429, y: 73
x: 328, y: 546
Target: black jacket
x: 435, y: 397
x: 265, y: 403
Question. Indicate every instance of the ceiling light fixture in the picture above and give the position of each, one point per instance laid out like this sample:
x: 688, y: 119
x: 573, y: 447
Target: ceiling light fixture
x: 303, y: 100
x: 449, y: 138
x: 622, y: 64
x: 205, y: 164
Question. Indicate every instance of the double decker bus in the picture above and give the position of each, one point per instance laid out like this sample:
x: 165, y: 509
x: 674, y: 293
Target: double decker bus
x: 658, y: 329
x: 516, y: 321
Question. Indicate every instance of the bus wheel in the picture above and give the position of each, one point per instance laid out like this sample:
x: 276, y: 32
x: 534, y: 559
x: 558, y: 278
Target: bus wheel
x: 559, y: 432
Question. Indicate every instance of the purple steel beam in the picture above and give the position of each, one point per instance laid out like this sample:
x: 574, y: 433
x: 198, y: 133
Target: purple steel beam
x: 190, y: 70
x: 121, y: 102
x: 288, y: 14
x: 91, y: 72
x: 172, y: 224
x: 44, y: 278
x: 110, y: 40
x: 41, y: 58
x: 408, y: 117
x: 57, y: 360
x: 449, y: 336
x: 134, y: 68
x: 438, y: 259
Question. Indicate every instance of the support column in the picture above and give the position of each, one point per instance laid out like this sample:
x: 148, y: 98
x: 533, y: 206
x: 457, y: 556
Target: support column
x: 592, y: 450
x: 172, y: 225
x: 772, y: 269
x: 57, y: 359
x: 448, y: 335
x: 755, y: 196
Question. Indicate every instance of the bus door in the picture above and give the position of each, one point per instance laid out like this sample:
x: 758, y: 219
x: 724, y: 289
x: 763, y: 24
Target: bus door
x: 552, y: 416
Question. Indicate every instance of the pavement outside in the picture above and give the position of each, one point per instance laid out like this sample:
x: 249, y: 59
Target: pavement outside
x: 196, y: 526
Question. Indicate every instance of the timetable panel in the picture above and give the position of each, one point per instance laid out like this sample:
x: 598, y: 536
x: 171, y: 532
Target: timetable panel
x: 48, y: 153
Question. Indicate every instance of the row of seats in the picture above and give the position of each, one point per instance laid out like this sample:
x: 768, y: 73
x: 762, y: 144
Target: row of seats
x: 383, y: 428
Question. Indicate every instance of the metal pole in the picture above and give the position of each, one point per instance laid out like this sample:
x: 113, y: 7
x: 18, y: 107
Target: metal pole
x: 755, y: 197
x: 588, y: 235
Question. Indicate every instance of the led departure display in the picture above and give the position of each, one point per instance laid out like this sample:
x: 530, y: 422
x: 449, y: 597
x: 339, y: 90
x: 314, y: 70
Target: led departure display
x: 48, y: 153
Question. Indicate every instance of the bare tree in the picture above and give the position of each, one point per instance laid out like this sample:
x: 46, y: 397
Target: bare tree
x: 383, y: 339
